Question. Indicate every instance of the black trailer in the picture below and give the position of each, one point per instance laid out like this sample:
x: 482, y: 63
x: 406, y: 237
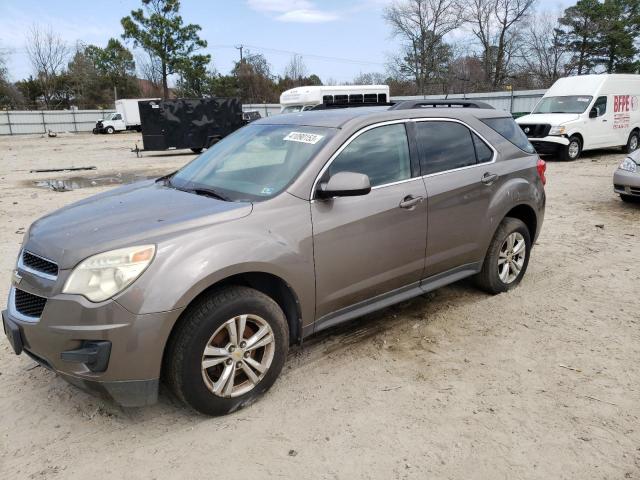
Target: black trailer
x: 188, y: 123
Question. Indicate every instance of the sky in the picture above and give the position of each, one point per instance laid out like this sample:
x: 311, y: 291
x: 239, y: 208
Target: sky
x: 337, y: 39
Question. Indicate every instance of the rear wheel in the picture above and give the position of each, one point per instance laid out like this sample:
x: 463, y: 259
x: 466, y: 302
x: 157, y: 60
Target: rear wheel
x: 572, y: 151
x: 507, y: 258
x: 228, y: 350
x: 632, y: 142
x: 196, y: 150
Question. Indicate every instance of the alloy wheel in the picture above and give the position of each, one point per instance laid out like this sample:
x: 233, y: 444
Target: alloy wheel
x: 511, y: 258
x: 238, y: 355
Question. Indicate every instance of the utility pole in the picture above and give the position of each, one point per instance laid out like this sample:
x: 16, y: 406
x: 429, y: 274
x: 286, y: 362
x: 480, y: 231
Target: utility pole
x: 240, y: 47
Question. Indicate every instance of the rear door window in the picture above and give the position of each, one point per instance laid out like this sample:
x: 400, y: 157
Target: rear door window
x: 510, y: 130
x: 444, y: 146
x: 483, y: 151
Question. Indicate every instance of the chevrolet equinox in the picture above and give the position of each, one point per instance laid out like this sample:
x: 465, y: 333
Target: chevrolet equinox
x: 292, y: 224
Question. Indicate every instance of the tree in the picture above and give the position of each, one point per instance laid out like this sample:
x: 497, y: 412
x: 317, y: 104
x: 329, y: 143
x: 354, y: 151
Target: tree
x: 255, y: 81
x: 159, y: 29
x: 422, y: 25
x: 85, y: 80
x: 296, y: 70
x: 496, y: 25
x: 620, y: 26
x: 544, y: 53
x: 115, y: 66
x: 370, y: 78
x: 195, y: 79
x: 48, y: 54
x: 580, y: 25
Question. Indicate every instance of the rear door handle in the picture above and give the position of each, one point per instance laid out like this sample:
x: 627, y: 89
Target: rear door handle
x: 410, y: 201
x: 488, y: 178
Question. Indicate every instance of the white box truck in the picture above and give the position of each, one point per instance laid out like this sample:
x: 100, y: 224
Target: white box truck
x: 126, y: 117
x: 584, y: 113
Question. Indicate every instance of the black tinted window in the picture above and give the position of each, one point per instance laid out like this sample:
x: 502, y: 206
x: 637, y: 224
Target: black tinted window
x: 382, y: 153
x: 601, y: 105
x: 511, y: 131
x: 445, y: 146
x: 483, y: 152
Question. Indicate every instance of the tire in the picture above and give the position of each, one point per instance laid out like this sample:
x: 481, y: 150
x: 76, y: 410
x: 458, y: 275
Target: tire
x: 196, y: 150
x: 629, y: 198
x: 205, y: 325
x: 110, y: 130
x: 633, y: 142
x: 572, y: 151
x: 95, y: 131
x: 489, y: 278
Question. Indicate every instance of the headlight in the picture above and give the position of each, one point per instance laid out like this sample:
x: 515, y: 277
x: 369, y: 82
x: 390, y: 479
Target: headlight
x: 104, y: 275
x: 629, y: 165
x: 557, y: 130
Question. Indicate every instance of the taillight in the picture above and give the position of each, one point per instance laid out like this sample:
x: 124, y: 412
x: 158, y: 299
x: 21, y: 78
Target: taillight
x: 542, y: 167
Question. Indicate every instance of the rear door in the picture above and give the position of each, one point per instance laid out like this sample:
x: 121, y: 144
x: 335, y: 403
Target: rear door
x: 460, y: 180
x: 372, y: 244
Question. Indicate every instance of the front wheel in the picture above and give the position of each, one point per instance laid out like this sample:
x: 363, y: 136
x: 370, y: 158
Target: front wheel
x: 110, y: 130
x: 507, y: 258
x: 572, y: 151
x: 632, y: 142
x: 629, y: 198
x: 228, y: 349
x: 197, y: 150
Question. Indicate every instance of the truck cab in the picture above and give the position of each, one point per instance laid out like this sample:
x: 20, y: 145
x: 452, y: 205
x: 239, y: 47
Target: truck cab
x: 112, y: 123
x: 584, y: 113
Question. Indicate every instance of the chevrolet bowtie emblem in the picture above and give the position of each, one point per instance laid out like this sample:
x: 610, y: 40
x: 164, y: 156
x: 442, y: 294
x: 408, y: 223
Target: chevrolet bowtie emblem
x: 16, y: 278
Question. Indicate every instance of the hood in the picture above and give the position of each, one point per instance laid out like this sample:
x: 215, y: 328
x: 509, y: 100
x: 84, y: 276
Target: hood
x: 131, y: 215
x: 549, y: 118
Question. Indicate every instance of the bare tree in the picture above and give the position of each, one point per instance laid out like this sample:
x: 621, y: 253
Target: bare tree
x: 48, y: 54
x: 544, y: 52
x: 422, y: 26
x: 150, y: 69
x: 495, y: 23
x: 370, y: 78
x: 296, y: 70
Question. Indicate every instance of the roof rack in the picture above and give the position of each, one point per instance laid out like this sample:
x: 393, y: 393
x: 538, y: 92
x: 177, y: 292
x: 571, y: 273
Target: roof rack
x: 410, y: 104
x: 331, y: 106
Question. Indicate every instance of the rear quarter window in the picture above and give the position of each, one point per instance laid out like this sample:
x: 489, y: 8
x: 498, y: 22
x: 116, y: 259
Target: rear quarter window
x: 510, y: 130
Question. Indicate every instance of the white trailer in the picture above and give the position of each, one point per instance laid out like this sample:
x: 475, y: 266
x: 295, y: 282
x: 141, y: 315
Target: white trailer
x: 126, y: 117
x: 305, y: 98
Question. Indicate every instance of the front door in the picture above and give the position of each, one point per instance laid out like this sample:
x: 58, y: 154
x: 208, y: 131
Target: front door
x: 600, y: 130
x: 372, y: 244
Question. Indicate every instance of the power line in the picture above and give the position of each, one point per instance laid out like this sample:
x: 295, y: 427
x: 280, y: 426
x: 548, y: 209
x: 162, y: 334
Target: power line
x: 306, y: 55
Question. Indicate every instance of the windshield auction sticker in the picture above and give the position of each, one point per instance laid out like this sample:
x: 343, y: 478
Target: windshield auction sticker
x: 301, y: 137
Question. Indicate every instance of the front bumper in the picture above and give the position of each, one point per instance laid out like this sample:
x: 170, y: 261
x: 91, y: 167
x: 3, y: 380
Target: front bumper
x: 626, y: 183
x: 549, y: 144
x: 69, y: 323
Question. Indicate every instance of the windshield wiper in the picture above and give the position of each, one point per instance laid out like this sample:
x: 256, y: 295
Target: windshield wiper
x: 208, y: 192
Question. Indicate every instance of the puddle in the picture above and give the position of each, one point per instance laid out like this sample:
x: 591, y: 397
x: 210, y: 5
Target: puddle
x: 76, y: 182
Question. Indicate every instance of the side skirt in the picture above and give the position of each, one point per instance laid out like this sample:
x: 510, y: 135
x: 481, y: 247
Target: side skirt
x: 395, y: 296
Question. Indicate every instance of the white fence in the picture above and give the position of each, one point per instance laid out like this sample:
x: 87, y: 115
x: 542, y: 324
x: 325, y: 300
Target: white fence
x: 520, y: 101
x: 14, y: 122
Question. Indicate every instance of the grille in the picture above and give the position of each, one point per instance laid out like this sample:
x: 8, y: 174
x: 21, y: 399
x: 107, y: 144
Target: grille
x: 29, y: 304
x: 634, y: 190
x: 536, y: 131
x: 39, y: 264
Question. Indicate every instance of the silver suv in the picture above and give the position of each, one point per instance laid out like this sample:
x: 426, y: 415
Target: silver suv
x: 291, y: 225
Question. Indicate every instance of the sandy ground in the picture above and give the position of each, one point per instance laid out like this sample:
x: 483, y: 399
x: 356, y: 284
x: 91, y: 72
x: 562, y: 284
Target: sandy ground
x: 541, y: 382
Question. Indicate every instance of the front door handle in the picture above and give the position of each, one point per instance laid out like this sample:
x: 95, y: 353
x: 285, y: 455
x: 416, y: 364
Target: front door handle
x: 488, y: 178
x: 410, y: 201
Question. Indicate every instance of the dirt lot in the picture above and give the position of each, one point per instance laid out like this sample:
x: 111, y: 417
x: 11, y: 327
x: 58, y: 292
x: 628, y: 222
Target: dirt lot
x: 541, y: 382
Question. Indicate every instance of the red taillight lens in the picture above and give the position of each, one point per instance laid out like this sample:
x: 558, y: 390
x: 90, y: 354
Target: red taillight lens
x: 542, y: 167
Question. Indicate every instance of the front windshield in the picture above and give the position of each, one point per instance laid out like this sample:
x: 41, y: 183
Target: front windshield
x: 110, y: 116
x: 292, y: 109
x: 569, y: 104
x: 254, y: 163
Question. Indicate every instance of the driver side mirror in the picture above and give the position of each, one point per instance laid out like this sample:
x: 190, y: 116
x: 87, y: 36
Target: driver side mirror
x: 593, y: 113
x: 345, y: 184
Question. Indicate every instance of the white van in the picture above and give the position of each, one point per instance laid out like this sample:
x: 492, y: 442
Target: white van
x: 586, y: 112
x: 305, y: 98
